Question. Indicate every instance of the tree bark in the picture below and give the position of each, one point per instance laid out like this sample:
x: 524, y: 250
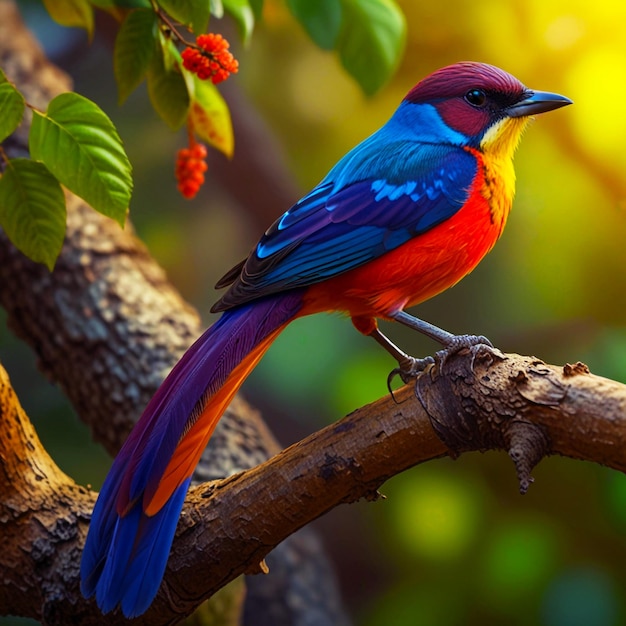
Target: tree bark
x: 478, y: 399
x: 107, y: 326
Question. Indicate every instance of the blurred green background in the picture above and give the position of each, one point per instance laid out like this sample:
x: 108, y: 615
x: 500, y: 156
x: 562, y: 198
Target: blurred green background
x: 454, y: 542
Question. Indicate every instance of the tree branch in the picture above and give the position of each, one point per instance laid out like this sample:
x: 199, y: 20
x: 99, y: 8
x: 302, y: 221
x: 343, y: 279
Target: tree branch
x: 44, y: 517
x: 107, y: 326
x: 479, y: 400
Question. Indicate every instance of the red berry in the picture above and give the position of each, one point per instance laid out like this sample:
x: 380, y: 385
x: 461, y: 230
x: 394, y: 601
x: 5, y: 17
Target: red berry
x: 190, y: 168
x: 212, y: 61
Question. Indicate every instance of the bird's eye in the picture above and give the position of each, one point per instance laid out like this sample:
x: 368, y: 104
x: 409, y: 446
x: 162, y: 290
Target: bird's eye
x: 476, y: 97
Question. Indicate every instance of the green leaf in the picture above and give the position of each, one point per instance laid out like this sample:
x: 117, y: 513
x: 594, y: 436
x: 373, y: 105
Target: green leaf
x: 11, y: 105
x: 192, y: 13
x: 371, y: 41
x: 257, y: 8
x: 134, y: 47
x: 76, y: 13
x: 32, y: 210
x: 122, y: 4
x: 167, y: 91
x: 321, y: 20
x: 210, y: 116
x: 133, y: 4
x: 242, y: 13
x: 217, y: 8
x: 172, y: 61
x: 78, y: 143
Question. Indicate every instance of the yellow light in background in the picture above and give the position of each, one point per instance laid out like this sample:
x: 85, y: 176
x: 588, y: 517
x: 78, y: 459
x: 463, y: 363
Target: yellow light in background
x: 436, y: 516
x: 597, y: 86
x: 564, y: 31
x: 314, y: 68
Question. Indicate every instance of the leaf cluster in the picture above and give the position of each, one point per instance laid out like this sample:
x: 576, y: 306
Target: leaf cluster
x: 75, y: 145
x: 368, y: 35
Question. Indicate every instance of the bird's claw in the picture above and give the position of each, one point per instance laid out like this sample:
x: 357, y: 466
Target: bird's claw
x: 409, y: 368
x: 460, y: 342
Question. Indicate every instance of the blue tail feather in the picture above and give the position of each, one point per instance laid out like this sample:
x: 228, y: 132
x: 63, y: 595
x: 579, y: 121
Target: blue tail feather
x: 126, y: 549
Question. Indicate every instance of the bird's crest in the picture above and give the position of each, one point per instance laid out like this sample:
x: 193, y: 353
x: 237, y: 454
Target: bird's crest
x: 458, y: 79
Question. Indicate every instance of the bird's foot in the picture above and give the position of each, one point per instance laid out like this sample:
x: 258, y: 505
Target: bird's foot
x: 458, y: 343
x: 409, y: 368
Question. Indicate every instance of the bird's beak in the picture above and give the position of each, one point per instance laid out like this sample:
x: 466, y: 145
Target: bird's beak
x: 537, y: 102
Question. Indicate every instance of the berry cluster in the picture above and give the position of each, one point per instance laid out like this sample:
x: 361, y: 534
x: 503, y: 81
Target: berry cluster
x: 211, y: 59
x: 190, y: 168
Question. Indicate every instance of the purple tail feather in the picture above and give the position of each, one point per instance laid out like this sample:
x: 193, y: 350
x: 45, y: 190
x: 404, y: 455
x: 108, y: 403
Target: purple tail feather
x: 126, y: 549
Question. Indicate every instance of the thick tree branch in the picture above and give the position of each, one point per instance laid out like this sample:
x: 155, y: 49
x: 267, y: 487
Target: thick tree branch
x: 480, y: 400
x: 107, y: 326
x: 106, y: 301
x: 43, y: 516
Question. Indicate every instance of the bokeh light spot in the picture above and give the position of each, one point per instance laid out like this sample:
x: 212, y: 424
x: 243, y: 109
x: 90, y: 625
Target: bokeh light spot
x: 598, y: 117
x: 519, y: 558
x: 581, y: 597
x: 437, y: 516
x: 564, y: 32
x: 362, y: 380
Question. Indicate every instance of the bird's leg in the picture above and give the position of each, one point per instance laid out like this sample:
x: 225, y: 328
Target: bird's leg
x: 430, y: 330
x: 451, y: 343
x: 408, y: 366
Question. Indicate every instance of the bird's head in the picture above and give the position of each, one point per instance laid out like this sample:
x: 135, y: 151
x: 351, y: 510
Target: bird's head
x: 484, y: 104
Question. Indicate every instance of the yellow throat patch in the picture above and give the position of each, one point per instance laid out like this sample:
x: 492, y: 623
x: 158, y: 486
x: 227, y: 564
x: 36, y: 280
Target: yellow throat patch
x: 498, y: 146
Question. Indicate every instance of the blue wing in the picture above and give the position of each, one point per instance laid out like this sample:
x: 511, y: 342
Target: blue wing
x: 340, y: 225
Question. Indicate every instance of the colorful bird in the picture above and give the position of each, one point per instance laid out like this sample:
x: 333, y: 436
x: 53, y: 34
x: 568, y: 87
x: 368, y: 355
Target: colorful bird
x: 403, y: 216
